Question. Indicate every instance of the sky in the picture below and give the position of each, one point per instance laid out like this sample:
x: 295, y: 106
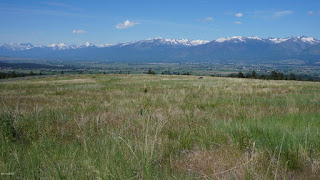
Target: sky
x: 115, y: 21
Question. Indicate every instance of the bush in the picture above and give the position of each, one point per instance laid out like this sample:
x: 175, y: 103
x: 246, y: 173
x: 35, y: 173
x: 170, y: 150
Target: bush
x: 150, y: 72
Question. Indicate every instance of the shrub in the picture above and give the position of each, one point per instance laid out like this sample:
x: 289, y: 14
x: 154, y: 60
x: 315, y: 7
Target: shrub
x: 150, y: 72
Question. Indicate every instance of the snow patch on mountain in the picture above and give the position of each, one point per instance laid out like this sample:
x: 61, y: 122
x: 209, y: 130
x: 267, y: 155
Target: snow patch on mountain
x: 309, y: 40
x: 234, y: 38
x: 18, y: 46
x: 59, y: 46
x: 278, y: 40
x: 105, y: 45
x: 255, y: 38
x: 174, y: 42
x: 186, y: 42
x: 87, y: 44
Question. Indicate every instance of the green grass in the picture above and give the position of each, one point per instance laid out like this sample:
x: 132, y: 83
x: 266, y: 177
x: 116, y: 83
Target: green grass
x: 159, y: 127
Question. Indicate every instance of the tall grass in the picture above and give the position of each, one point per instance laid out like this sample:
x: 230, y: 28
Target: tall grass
x: 159, y: 127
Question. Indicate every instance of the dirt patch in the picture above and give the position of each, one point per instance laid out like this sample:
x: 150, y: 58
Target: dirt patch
x: 224, y: 162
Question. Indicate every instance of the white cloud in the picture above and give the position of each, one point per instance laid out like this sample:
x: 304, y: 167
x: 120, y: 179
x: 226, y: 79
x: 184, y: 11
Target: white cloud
x: 238, y: 22
x: 126, y: 24
x: 280, y: 14
x: 79, y: 31
x: 208, y: 19
x: 311, y: 13
x: 239, y: 15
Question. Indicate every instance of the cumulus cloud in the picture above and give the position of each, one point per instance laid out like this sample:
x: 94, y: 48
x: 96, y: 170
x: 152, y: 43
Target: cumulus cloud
x: 311, y: 13
x: 238, y: 22
x: 126, y: 24
x: 79, y: 31
x: 280, y: 14
x: 239, y: 15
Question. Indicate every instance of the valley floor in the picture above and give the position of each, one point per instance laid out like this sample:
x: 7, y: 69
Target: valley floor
x: 159, y: 127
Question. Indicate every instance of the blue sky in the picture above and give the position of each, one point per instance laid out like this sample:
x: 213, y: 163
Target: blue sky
x: 100, y: 22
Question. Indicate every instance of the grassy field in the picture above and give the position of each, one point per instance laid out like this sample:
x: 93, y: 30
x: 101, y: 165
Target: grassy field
x: 159, y: 127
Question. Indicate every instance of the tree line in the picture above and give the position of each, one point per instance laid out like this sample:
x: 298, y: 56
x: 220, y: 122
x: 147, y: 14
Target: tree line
x: 14, y: 74
x: 272, y: 76
x: 253, y: 75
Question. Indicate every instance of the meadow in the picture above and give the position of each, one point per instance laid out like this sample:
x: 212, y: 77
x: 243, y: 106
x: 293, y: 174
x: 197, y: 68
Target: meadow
x: 159, y: 127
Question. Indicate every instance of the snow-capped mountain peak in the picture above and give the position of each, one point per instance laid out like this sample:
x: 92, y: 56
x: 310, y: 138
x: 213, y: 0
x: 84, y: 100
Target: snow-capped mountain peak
x: 186, y: 42
x: 160, y: 41
x: 309, y: 40
x: 163, y: 41
x: 301, y: 39
x: 105, y: 45
x: 255, y: 38
x: 18, y: 46
x: 59, y: 46
x: 234, y: 38
x: 87, y: 44
x: 278, y: 40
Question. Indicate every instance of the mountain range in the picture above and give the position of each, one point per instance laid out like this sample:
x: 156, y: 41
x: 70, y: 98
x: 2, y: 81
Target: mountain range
x: 229, y: 49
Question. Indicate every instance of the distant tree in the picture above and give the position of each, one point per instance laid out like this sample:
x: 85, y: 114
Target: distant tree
x: 187, y: 73
x: 253, y: 75
x: 310, y: 79
x: 80, y: 72
x: 162, y: 73
x: 31, y: 73
x: 104, y: 72
x: 299, y: 78
x: 2, y: 75
x: 62, y: 72
x: 13, y: 74
x: 240, y: 75
x: 40, y: 73
x: 274, y: 75
x: 292, y: 76
x: 150, y: 72
x: 262, y: 76
x: 281, y: 76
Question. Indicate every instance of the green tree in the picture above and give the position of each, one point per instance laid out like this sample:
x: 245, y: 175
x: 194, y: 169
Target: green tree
x: 292, y: 76
x: 274, y: 75
x: 262, y: 76
x: 240, y: 75
x: 31, y: 73
x: 281, y: 76
x: 150, y: 72
x: 13, y: 74
x: 254, y: 75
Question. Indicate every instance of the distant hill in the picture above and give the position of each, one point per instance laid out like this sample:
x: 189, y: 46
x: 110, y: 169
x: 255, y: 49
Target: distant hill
x: 231, y: 49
